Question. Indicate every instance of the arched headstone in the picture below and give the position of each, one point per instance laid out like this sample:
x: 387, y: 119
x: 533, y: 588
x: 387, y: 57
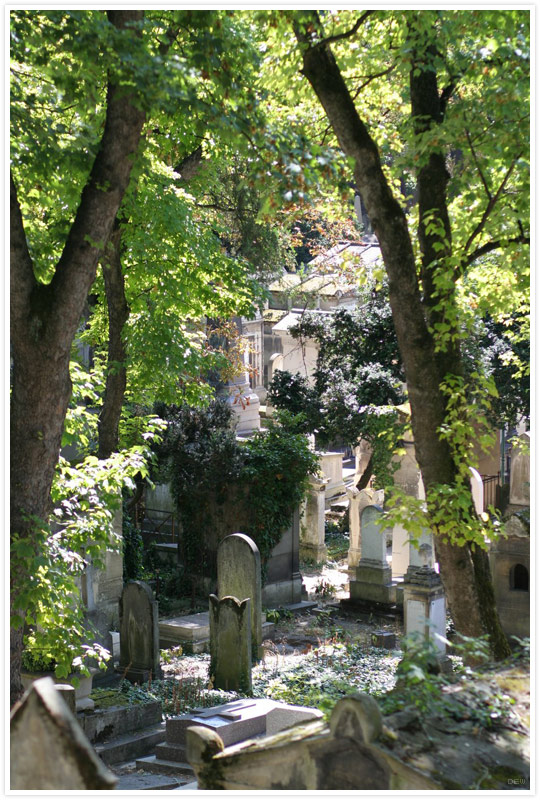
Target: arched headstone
x: 239, y: 575
x: 139, y: 633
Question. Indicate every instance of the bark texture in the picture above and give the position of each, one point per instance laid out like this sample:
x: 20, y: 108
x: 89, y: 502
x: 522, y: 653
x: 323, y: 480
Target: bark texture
x: 423, y: 368
x: 118, y: 314
x: 44, y: 321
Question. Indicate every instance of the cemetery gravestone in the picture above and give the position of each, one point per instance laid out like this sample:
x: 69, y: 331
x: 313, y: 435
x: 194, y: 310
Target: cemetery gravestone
x: 358, y: 500
x: 230, y: 643
x: 477, y: 490
x: 424, y: 602
x: 373, y: 576
x: 520, y: 474
x: 48, y: 750
x: 239, y: 575
x: 139, y: 633
x: 312, y: 544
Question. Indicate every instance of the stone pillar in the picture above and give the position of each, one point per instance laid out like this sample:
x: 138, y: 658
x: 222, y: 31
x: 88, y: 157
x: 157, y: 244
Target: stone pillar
x: 358, y: 500
x: 239, y: 575
x: 312, y: 544
x: 139, y: 633
x: 230, y: 643
x: 424, y: 603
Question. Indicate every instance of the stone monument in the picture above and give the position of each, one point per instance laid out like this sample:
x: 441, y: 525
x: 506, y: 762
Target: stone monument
x: 48, y: 750
x: 230, y: 644
x: 239, y: 575
x: 139, y: 633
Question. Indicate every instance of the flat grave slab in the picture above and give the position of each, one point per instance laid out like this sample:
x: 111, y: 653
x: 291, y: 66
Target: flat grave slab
x: 192, y: 632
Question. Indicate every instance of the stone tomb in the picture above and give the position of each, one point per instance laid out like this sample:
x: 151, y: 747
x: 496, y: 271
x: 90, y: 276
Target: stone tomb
x: 192, y: 632
x: 139, y: 633
x: 510, y: 565
x: 239, y: 575
x: 48, y: 750
x: 235, y: 722
x: 373, y: 577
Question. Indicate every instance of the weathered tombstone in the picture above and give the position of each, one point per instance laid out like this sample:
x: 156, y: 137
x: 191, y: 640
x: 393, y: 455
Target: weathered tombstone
x: 139, y: 633
x: 424, y: 603
x: 239, y: 575
x: 310, y: 756
x: 477, y: 490
x: 358, y: 500
x: 421, y: 553
x: 373, y: 577
x: 520, y: 474
x: 230, y: 643
x: 312, y: 544
x: 48, y: 750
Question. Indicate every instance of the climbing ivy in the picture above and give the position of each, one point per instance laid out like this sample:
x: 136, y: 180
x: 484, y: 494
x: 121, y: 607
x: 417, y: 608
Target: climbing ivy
x: 221, y: 484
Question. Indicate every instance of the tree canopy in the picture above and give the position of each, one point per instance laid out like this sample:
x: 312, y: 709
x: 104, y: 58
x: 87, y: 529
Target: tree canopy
x: 130, y: 128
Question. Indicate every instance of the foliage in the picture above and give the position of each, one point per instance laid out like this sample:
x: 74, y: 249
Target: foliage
x: 85, y: 498
x: 466, y: 694
x: 263, y: 478
x: 337, y: 540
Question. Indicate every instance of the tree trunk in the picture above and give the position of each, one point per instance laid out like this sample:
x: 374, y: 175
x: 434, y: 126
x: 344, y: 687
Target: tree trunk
x: 118, y: 314
x: 44, y: 320
x: 422, y: 368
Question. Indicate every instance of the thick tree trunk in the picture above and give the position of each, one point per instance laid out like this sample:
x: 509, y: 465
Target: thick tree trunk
x: 44, y: 320
x: 422, y: 368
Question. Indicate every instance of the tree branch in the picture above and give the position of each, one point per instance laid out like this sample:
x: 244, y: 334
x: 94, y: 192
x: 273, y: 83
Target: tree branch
x: 22, y: 278
x: 491, y: 205
x: 488, y: 247
x: 478, y: 167
x: 346, y: 34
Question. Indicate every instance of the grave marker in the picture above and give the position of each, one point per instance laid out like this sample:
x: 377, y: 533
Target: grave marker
x: 48, y: 750
x: 139, y: 633
x: 239, y: 575
x: 230, y: 643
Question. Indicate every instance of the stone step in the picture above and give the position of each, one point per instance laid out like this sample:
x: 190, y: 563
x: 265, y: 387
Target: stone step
x: 152, y: 783
x: 162, y: 766
x: 131, y: 745
x: 171, y: 751
x: 188, y: 787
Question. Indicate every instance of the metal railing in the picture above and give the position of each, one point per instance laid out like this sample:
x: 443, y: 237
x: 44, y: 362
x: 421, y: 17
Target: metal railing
x: 492, y: 485
x: 154, y: 523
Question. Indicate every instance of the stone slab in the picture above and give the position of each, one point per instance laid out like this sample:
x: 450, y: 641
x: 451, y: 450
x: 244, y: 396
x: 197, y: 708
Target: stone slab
x: 192, y: 627
x: 251, y: 722
x: 101, y: 725
x: 131, y: 745
x: 285, y: 716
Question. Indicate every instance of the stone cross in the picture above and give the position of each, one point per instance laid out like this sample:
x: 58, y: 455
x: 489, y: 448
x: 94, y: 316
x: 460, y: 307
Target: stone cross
x: 230, y: 643
x: 139, y: 633
x: 239, y: 575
